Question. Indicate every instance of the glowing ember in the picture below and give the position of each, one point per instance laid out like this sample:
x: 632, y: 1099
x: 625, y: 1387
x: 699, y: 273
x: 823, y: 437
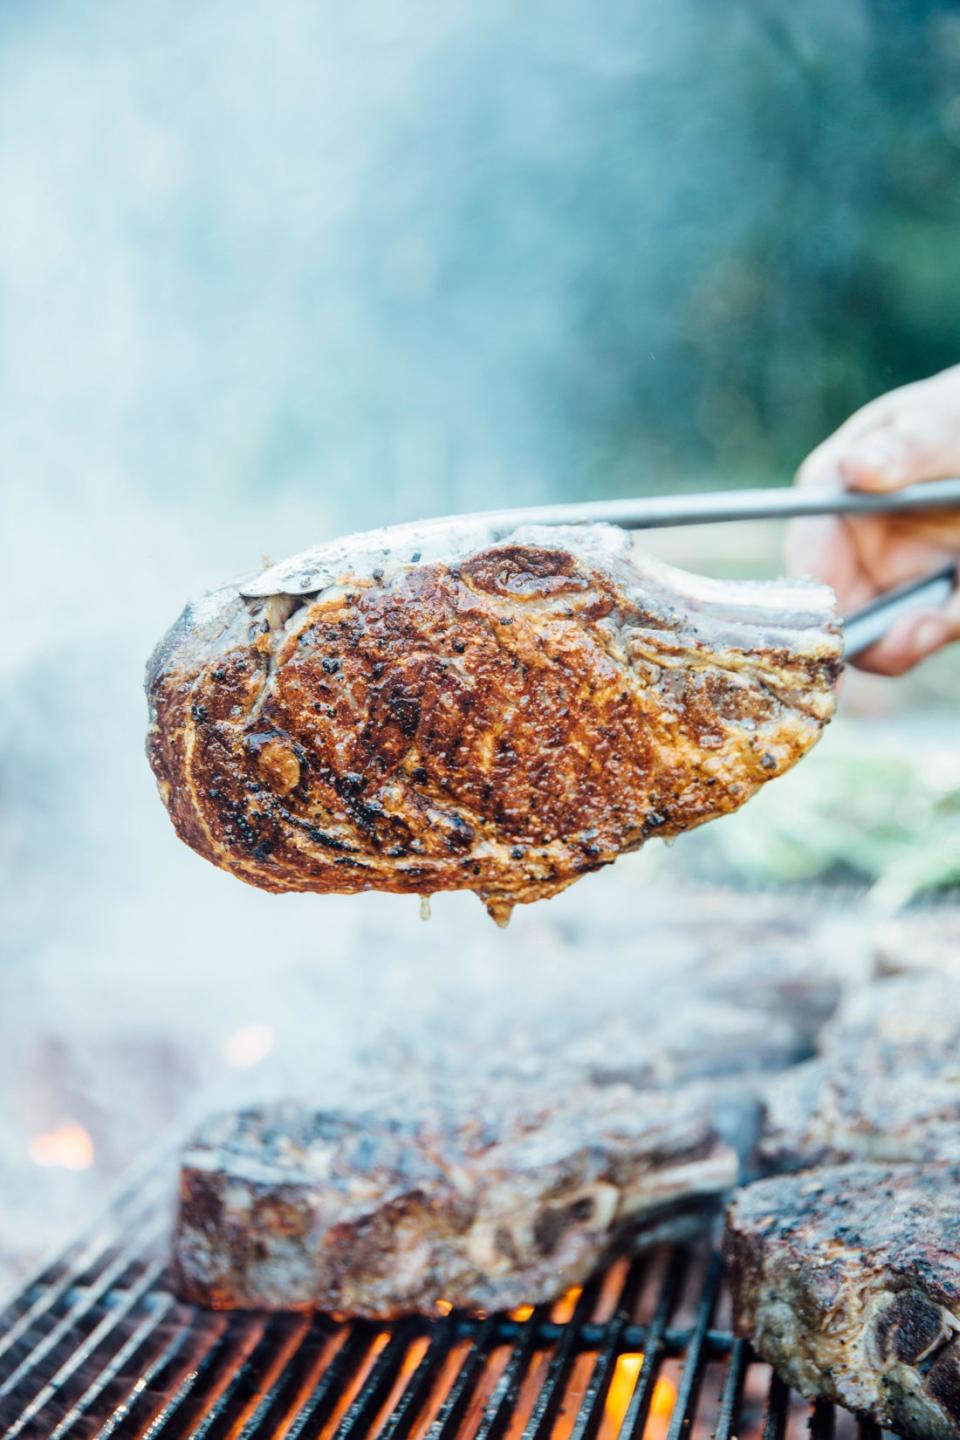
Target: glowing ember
x: 622, y: 1386
x: 566, y: 1305
x: 522, y: 1312
x: 413, y: 1357
x: 248, y: 1046
x: 443, y: 1306
x: 69, y: 1146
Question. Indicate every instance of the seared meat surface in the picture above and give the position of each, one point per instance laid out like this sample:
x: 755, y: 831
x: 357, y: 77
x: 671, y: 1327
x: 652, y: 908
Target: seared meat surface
x: 822, y: 1113
x: 718, y: 1056
x: 895, y: 1023
x: 532, y: 1062
x: 416, y: 711
x: 481, y: 1200
x: 847, y: 1280
x: 886, y: 1088
x: 678, y: 1038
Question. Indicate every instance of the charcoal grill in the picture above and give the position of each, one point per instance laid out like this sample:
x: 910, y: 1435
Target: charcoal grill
x: 96, y: 1344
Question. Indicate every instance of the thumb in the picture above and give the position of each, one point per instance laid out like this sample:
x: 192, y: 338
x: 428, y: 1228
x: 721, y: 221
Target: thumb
x: 916, y: 444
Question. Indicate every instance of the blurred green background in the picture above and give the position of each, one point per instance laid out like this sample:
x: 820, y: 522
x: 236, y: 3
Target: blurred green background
x: 378, y: 260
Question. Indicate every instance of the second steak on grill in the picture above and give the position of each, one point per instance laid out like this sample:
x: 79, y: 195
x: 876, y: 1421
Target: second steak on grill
x: 482, y: 1201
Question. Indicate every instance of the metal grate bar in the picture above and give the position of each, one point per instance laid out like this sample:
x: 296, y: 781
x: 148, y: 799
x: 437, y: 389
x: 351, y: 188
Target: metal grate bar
x: 123, y: 1357
x: 254, y: 1384
x: 191, y: 1370
x: 778, y: 1410
x: 592, y: 1408
x: 78, y: 1311
x: 278, y: 1338
x: 100, y: 1239
x: 82, y: 1353
x: 822, y: 1421
x: 363, y: 1409
x: 551, y: 1392
x: 218, y: 1369
x: 420, y: 1385
x: 141, y: 1182
x: 635, y: 1420
x: 163, y: 1375
x: 296, y: 1379
x: 503, y: 1401
x: 731, y: 1400
x: 454, y: 1407
x: 689, y: 1391
x: 322, y: 1401
x: 96, y: 1347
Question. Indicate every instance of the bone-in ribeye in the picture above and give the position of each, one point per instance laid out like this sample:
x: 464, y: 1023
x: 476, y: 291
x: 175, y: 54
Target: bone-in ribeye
x: 484, y: 1198
x: 847, y: 1280
x: 418, y: 711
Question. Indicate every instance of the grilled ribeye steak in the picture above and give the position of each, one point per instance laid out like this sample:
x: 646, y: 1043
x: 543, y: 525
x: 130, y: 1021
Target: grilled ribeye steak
x: 411, y: 713
x: 847, y: 1280
x: 895, y: 1023
x: 822, y: 1113
x: 508, y: 1197
x: 886, y: 1088
x: 678, y: 1038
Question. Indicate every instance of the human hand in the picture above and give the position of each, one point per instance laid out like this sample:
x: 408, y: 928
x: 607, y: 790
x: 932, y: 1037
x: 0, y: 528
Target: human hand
x: 903, y: 438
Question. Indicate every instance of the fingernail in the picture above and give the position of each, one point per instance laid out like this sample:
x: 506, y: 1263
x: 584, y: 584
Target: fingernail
x: 929, y: 636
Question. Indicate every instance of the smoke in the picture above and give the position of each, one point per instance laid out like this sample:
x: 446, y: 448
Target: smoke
x: 274, y: 270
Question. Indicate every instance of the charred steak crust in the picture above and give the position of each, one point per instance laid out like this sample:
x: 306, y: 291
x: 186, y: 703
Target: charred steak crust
x: 378, y: 1213
x: 501, y: 717
x: 847, y: 1280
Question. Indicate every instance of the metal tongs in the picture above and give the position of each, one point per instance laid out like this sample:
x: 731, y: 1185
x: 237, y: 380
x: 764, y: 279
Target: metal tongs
x: 862, y: 628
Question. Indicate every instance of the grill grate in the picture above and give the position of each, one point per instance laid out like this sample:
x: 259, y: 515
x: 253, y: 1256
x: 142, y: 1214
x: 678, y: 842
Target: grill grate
x: 97, y: 1346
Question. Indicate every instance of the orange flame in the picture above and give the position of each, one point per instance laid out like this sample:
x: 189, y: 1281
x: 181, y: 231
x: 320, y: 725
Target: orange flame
x: 521, y: 1313
x: 622, y: 1386
x: 444, y: 1306
x: 69, y: 1146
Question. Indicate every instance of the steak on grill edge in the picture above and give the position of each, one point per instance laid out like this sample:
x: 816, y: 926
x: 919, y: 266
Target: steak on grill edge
x: 886, y: 1088
x: 822, y: 1113
x: 486, y: 1199
x: 425, y: 709
x: 847, y: 1280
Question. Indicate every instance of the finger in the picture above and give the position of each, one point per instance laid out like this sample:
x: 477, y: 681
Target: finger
x: 939, y: 394
x: 919, y: 443
x: 913, y: 639
x: 823, y: 548
x: 822, y: 466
